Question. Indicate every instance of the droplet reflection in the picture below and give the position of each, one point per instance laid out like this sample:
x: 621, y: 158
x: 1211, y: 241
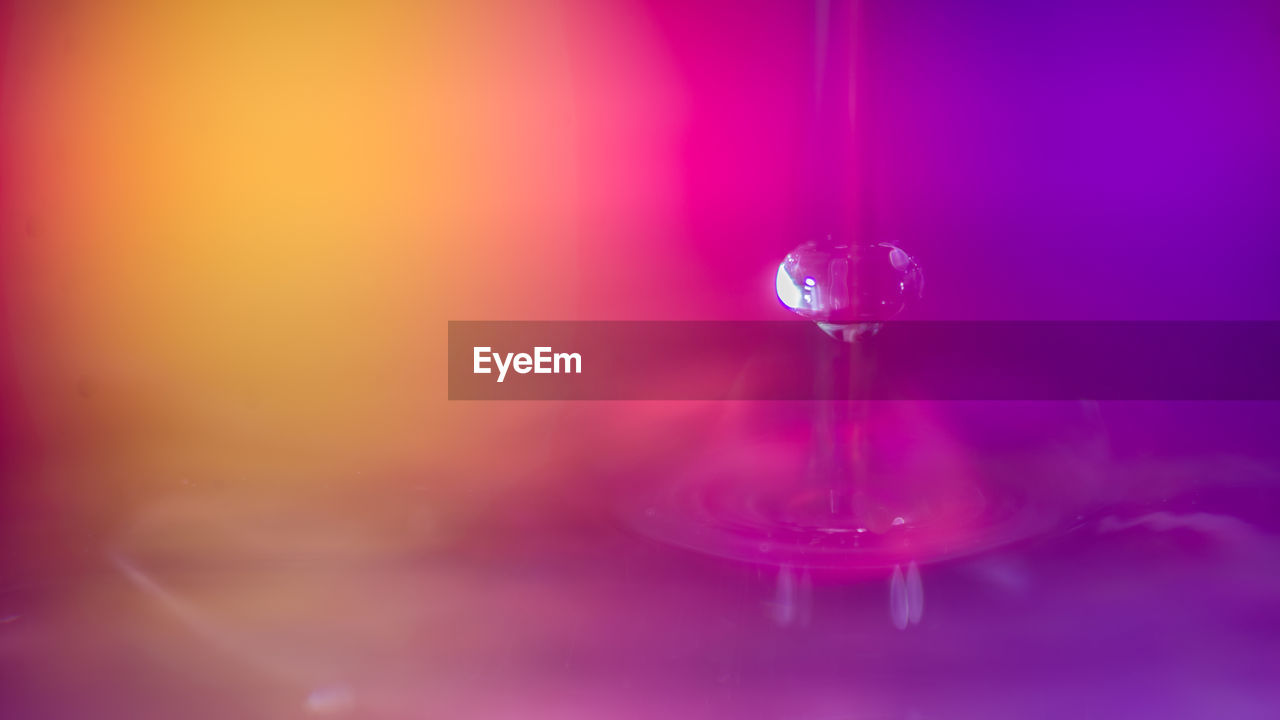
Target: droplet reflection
x: 906, y: 596
x: 793, y: 598
x: 915, y: 594
x: 898, y: 603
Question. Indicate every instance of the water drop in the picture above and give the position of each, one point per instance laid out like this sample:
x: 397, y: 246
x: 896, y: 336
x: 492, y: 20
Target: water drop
x: 906, y: 596
x: 784, y: 599
x: 793, y: 597
x: 846, y: 284
x: 915, y: 594
x: 899, y: 605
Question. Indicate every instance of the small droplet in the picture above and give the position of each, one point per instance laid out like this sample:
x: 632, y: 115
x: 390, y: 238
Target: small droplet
x: 784, y: 597
x: 842, y: 284
x: 915, y: 594
x: 899, y: 605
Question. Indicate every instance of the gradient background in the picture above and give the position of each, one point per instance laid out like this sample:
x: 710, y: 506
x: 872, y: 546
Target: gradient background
x: 231, y: 234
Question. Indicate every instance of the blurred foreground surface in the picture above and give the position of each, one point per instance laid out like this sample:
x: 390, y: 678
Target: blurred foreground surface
x: 216, y: 600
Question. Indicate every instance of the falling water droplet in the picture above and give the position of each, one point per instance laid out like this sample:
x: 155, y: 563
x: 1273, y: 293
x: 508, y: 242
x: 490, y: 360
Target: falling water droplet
x: 806, y: 598
x: 915, y: 594
x: 843, y: 286
x: 784, y: 598
x: 899, y: 605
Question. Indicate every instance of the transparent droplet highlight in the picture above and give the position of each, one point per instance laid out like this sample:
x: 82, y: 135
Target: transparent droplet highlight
x: 906, y: 596
x: 899, y: 605
x: 837, y: 283
x: 915, y: 594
